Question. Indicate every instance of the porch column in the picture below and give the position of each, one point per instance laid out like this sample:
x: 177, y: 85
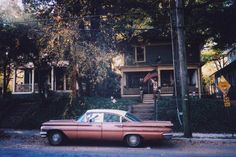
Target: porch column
x: 77, y: 86
x: 159, y: 77
x: 122, y: 83
x: 199, y: 82
x: 52, y: 78
x: 32, y: 80
x: 64, y: 82
x: 14, y: 81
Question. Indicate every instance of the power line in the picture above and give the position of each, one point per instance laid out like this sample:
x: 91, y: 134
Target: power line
x: 72, y: 18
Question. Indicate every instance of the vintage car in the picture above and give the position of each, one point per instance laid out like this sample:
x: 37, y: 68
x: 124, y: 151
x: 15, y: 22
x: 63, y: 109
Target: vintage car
x: 106, y: 124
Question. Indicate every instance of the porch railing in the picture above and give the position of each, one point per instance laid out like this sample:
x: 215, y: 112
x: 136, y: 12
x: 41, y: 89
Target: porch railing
x: 26, y: 88
x: 164, y: 90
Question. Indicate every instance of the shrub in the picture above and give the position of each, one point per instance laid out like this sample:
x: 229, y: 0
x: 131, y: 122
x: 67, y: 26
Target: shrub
x: 207, y: 115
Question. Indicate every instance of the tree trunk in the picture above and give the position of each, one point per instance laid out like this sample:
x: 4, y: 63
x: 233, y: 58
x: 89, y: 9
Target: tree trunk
x: 73, y: 82
x: 183, y: 67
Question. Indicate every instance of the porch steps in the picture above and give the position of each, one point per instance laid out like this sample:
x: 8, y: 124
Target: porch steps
x: 143, y: 111
x: 16, y: 115
x: 148, y: 99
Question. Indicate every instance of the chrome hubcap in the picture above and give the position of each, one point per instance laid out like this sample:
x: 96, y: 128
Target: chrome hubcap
x: 133, y: 140
x: 56, y: 137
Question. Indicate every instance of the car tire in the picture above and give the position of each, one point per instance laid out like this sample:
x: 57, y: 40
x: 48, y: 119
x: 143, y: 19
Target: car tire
x: 133, y: 140
x: 55, y: 138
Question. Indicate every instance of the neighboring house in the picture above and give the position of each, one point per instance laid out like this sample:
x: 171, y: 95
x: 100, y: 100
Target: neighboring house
x: 229, y: 72
x: 25, y: 78
x: 148, y: 55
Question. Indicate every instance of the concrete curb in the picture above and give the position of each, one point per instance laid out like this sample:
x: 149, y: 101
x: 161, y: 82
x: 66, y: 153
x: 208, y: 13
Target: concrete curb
x: 211, y: 137
x: 205, y: 140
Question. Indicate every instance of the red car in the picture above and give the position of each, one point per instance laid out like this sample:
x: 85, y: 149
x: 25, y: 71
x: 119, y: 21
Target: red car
x: 106, y: 124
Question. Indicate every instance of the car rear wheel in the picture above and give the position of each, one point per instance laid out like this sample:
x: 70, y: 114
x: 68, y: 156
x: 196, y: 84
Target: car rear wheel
x: 55, y: 138
x: 133, y: 140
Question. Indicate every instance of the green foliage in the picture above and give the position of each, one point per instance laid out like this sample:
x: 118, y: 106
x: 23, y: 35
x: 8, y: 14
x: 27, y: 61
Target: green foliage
x: 207, y: 115
x: 55, y: 107
x: 210, y: 115
x: 106, y: 103
x: 110, y: 86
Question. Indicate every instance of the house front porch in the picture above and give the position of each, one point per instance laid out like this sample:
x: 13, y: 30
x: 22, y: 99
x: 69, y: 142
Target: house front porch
x: 132, y: 77
x: 26, y: 80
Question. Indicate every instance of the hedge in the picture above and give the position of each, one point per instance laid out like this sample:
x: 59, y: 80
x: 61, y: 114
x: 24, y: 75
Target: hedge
x: 206, y: 115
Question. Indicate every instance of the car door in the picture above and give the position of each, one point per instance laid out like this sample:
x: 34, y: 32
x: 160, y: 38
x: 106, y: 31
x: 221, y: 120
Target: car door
x: 112, y: 127
x: 91, y: 128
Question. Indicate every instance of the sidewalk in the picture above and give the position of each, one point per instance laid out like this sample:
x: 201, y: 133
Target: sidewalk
x: 221, y: 137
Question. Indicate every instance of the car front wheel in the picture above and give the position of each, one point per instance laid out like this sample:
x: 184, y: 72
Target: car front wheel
x: 55, y: 138
x: 133, y: 140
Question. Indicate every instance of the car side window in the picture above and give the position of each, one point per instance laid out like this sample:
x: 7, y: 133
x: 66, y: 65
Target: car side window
x: 108, y: 117
x: 124, y: 120
x: 95, y: 117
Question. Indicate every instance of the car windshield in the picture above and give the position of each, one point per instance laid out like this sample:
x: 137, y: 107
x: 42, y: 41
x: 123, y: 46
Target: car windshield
x: 82, y: 119
x: 132, y: 117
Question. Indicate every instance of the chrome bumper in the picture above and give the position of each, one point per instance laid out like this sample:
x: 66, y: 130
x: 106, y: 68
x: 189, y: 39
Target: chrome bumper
x: 168, y: 136
x: 43, y: 134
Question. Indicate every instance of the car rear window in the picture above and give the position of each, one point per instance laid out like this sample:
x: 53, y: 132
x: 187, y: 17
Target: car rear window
x: 132, y: 117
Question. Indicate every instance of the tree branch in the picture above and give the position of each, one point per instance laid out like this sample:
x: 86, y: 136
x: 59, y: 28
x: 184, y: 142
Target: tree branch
x: 201, y: 5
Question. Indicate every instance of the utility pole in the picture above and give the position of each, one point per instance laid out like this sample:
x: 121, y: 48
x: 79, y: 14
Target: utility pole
x: 183, y: 67
x: 5, y: 74
x: 175, y: 57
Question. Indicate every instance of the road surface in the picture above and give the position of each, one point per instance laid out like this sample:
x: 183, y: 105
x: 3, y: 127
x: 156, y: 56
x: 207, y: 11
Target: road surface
x: 34, y: 146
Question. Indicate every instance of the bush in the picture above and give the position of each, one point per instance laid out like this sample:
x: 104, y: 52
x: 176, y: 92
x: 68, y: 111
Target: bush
x: 210, y: 115
x: 207, y: 115
x: 106, y: 103
x: 54, y: 108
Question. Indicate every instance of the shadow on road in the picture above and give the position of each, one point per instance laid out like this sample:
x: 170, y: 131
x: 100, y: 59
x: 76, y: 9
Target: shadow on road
x: 99, y: 143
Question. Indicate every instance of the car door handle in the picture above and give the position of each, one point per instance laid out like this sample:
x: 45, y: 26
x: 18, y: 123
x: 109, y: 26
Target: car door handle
x: 118, y: 126
x: 86, y: 125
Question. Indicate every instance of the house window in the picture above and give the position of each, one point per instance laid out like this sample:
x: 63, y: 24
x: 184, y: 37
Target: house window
x: 140, y: 54
x: 28, y: 76
x: 133, y: 79
x: 62, y: 79
x: 167, y: 78
x: 192, y: 77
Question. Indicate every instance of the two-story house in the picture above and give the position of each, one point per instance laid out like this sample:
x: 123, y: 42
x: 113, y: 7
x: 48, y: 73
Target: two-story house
x: 150, y: 54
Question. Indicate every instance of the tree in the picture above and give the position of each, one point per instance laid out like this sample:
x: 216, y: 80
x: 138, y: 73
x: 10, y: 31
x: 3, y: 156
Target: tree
x: 15, y: 45
x: 87, y: 51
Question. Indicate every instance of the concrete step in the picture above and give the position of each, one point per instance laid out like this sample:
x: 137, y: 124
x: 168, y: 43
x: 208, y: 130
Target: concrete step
x: 148, y: 98
x: 148, y: 102
x: 148, y: 95
x: 143, y: 111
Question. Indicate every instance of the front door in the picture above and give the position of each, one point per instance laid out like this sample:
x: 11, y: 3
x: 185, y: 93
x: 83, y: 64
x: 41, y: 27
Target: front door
x: 92, y: 129
x: 147, y: 87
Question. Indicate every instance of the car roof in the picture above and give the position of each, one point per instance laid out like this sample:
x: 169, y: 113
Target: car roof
x: 119, y: 112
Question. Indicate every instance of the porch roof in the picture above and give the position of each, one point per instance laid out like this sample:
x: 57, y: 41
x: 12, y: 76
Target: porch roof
x: 139, y: 68
x: 227, y: 68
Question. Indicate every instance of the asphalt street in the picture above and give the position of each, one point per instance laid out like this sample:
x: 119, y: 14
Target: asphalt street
x: 33, y: 146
